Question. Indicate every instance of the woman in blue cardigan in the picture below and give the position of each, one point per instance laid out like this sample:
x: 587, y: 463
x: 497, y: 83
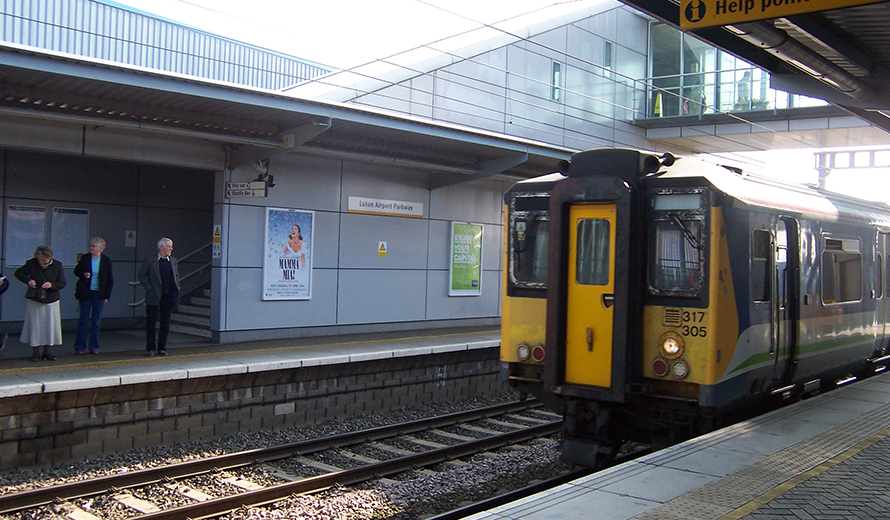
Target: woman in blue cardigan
x: 93, y: 289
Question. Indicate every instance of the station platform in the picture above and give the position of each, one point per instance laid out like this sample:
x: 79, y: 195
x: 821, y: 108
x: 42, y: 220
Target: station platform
x: 821, y: 458
x: 123, y: 359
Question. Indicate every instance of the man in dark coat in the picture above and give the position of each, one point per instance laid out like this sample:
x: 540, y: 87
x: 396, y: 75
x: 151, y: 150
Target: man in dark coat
x: 159, y: 275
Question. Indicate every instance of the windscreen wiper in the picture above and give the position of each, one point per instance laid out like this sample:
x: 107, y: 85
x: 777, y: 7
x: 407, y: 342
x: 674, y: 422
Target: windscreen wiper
x: 686, y: 233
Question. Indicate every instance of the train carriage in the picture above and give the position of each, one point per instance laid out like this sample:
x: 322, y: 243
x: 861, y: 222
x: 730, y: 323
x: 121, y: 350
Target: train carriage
x: 679, y: 291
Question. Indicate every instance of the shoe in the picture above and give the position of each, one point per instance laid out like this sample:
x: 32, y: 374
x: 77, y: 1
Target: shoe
x: 94, y: 352
x: 48, y: 357
x: 2, y: 340
x: 150, y: 353
x: 162, y: 352
x: 79, y: 352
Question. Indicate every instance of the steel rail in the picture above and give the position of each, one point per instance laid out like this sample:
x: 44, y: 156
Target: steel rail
x: 13, y: 502
x: 222, y: 505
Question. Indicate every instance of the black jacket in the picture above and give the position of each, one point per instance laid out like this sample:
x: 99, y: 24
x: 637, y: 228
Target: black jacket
x: 53, y: 274
x: 106, y: 279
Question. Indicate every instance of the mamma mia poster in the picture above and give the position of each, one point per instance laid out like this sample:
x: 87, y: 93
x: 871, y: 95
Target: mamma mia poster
x: 287, y: 259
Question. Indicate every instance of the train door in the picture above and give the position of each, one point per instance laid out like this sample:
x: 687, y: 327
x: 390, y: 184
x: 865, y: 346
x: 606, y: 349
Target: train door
x: 590, y: 295
x: 882, y: 271
x: 785, y: 312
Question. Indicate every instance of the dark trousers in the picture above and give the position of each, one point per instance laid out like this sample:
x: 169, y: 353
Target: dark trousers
x: 151, y: 318
x: 90, y: 316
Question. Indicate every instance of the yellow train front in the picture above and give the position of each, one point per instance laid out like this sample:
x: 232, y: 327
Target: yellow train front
x: 679, y: 291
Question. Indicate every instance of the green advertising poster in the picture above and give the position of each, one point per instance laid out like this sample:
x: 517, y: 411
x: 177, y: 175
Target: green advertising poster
x: 466, y: 259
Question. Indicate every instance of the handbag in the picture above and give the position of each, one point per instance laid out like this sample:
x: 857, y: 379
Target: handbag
x: 38, y: 294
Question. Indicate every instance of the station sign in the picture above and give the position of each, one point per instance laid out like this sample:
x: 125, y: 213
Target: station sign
x: 246, y: 189
x: 695, y: 14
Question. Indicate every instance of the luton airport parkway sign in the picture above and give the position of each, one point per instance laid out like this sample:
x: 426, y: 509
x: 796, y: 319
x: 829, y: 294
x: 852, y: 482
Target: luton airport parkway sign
x: 707, y: 13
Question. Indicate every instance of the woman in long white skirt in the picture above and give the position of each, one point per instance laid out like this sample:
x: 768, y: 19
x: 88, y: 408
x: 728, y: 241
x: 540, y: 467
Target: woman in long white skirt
x: 43, y: 320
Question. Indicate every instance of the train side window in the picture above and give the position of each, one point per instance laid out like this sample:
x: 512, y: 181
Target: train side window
x: 879, y: 277
x: 592, y: 266
x: 760, y: 266
x: 887, y: 270
x: 841, y: 271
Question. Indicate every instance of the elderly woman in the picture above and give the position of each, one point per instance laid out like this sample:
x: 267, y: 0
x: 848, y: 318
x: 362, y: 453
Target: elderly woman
x: 43, y: 320
x: 92, y: 291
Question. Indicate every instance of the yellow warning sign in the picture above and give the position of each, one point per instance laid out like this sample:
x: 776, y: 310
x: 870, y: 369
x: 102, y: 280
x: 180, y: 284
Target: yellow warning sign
x: 217, y: 234
x: 381, y: 250
x: 708, y: 13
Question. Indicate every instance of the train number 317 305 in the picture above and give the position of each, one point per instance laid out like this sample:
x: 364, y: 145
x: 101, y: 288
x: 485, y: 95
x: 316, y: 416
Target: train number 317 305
x: 690, y: 326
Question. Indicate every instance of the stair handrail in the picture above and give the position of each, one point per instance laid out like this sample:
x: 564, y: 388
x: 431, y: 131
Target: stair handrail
x: 181, y: 278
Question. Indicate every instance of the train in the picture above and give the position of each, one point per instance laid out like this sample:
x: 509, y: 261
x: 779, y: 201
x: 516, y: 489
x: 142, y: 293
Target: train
x: 651, y: 297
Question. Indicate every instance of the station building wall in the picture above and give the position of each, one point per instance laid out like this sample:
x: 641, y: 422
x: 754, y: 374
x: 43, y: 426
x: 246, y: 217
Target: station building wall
x: 509, y: 89
x: 353, y: 288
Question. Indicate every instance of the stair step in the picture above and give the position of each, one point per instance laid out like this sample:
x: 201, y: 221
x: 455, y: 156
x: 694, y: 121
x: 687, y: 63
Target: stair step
x: 188, y: 319
x: 192, y: 309
x: 194, y: 331
x: 199, y: 300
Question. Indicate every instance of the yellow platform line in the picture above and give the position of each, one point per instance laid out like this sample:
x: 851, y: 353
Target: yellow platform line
x: 792, y: 483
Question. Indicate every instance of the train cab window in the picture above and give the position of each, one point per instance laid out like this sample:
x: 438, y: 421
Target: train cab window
x: 841, y: 271
x: 760, y: 266
x: 592, y: 259
x: 879, y: 277
x: 530, y: 238
x: 676, y: 262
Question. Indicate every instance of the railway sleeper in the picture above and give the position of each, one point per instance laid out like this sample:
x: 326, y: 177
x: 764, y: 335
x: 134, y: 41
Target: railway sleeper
x: 72, y: 512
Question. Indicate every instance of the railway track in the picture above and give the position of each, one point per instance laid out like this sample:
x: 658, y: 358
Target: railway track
x: 183, y: 490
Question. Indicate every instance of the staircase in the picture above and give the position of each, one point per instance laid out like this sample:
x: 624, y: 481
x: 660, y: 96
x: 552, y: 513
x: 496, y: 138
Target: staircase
x: 193, y: 317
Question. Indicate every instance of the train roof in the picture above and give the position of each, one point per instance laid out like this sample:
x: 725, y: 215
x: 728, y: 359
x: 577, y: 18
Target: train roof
x: 796, y: 199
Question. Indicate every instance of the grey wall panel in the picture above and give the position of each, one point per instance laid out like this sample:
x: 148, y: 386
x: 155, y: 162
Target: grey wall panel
x: 396, y: 97
x: 302, y: 182
x: 246, y: 233
x: 440, y: 245
x: 476, y: 201
x: 65, y: 178
x: 379, y: 182
x: 162, y: 149
x: 551, y: 43
x: 634, y: 33
x: 360, y: 236
x: 111, y: 222
x: 633, y: 64
x: 245, y: 308
x: 492, y: 248
x: 188, y: 229
x: 55, y: 137
x: 603, y: 23
x: 169, y: 187
x: 422, y: 99
x: 326, y: 247
x: 379, y: 296
x: 441, y: 306
x: 245, y: 230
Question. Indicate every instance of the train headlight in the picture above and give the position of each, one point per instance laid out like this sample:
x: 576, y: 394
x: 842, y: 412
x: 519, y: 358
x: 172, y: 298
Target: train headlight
x: 523, y: 352
x: 538, y: 353
x: 671, y: 345
x: 679, y: 369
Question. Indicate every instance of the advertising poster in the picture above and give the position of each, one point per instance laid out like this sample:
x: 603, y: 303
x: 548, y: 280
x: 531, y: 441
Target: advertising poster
x: 287, y: 260
x: 466, y: 260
